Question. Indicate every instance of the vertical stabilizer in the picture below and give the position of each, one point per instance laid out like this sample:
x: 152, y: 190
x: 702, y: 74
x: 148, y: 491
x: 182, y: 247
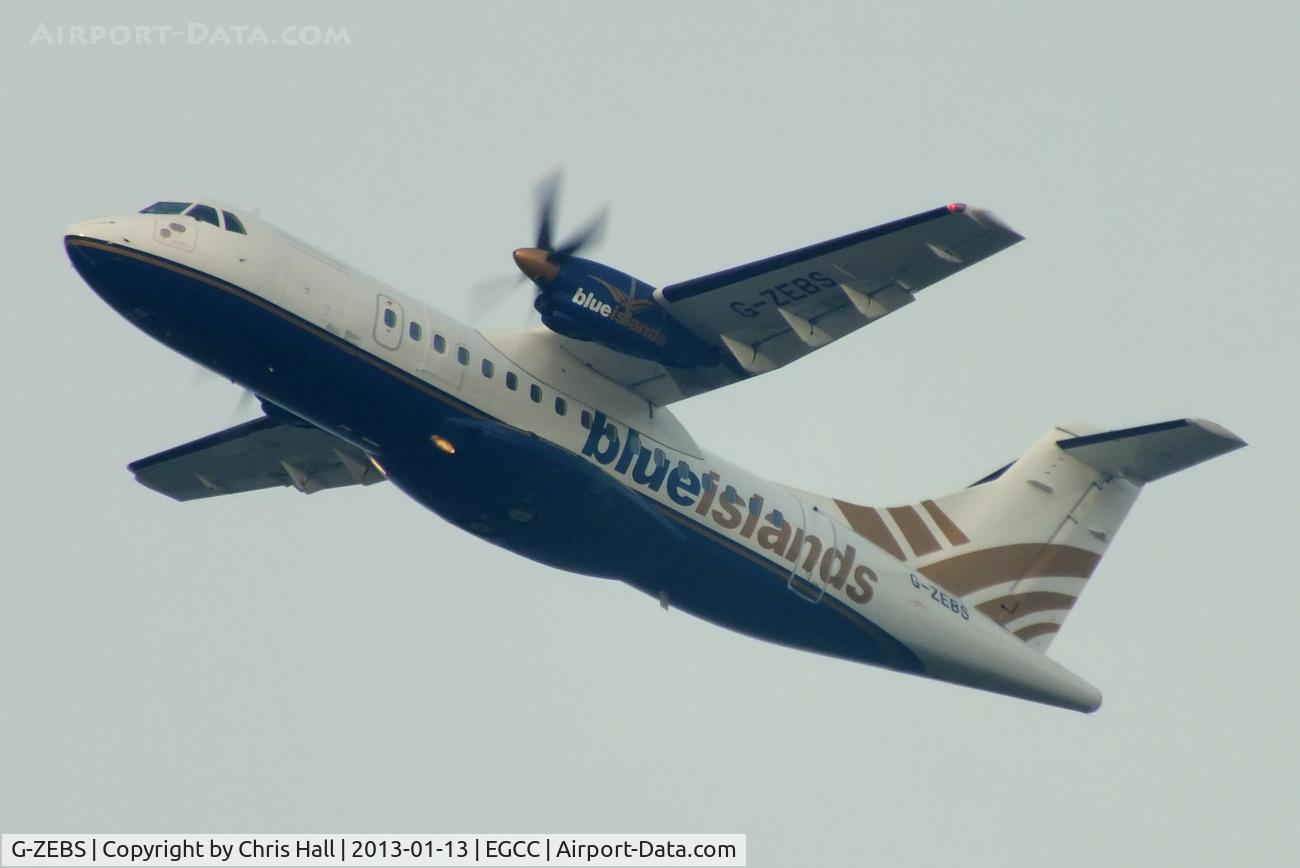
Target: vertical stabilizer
x: 1021, y: 544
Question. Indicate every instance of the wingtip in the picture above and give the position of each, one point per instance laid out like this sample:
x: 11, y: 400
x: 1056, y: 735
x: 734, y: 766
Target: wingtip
x: 985, y: 217
x: 1231, y: 440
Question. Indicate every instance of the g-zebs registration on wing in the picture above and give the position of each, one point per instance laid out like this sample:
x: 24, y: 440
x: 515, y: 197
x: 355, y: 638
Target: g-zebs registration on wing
x: 769, y: 313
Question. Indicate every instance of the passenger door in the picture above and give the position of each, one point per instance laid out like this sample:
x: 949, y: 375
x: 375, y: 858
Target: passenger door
x: 389, y: 322
x: 819, y: 537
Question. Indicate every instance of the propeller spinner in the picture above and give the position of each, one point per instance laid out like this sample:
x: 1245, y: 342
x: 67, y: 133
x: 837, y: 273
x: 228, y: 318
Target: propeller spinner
x: 542, y: 262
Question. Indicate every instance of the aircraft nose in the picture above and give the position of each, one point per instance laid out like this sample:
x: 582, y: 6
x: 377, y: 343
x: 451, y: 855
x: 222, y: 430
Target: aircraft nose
x: 96, y: 227
x: 85, y: 240
x: 536, y: 264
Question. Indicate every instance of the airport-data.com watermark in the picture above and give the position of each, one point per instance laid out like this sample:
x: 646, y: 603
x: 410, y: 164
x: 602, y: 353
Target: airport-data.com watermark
x: 191, y: 33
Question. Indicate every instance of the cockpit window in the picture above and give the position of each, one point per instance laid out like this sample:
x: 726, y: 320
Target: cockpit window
x: 232, y: 223
x: 166, y: 208
x: 206, y: 213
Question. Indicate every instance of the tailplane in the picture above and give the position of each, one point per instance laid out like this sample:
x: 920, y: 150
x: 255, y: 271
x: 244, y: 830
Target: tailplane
x: 1020, y: 544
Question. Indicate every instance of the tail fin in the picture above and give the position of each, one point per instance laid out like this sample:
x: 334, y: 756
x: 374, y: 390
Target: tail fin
x: 1021, y: 543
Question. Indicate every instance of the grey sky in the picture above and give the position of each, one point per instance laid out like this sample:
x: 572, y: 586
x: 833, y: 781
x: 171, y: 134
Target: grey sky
x: 348, y: 662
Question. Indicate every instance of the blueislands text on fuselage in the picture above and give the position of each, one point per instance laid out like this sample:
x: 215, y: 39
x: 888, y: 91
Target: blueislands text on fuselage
x: 700, y: 492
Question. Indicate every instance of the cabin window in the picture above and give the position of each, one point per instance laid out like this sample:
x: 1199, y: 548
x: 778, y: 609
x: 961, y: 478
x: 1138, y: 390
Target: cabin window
x: 166, y: 208
x: 512, y: 382
x: 439, y: 343
x: 487, y: 369
x: 204, y: 213
x: 561, y: 406
x: 415, y: 331
x: 462, y: 355
x: 390, y: 318
x: 233, y: 223
x: 585, y: 419
x: 535, y: 392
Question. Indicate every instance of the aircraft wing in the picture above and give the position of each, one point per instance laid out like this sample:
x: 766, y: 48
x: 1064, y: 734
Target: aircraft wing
x: 263, y: 453
x: 769, y: 313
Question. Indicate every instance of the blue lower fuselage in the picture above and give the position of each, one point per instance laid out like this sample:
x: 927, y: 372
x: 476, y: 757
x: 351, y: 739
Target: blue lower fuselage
x: 503, y: 484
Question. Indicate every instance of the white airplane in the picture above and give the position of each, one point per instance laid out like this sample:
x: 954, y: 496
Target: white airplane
x: 557, y: 443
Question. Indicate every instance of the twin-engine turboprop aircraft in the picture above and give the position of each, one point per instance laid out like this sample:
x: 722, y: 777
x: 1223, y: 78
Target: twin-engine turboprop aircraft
x: 524, y: 436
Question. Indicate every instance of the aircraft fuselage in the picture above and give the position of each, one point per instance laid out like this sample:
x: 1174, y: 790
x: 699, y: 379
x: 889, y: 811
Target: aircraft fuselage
x: 508, y: 437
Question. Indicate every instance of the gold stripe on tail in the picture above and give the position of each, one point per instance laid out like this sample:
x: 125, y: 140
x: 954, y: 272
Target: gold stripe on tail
x: 966, y: 573
x: 914, y: 530
x: 1013, y: 606
x: 945, y: 524
x: 1035, y: 630
x: 867, y: 522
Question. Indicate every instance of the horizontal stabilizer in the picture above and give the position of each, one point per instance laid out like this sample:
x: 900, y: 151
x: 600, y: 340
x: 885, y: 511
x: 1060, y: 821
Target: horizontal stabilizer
x: 1150, y: 452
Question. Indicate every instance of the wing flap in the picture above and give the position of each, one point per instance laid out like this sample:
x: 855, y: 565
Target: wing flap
x: 263, y: 453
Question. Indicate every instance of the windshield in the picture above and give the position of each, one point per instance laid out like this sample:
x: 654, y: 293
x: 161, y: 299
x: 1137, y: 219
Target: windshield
x: 165, y: 208
x: 233, y: 223
x: 204, y: 213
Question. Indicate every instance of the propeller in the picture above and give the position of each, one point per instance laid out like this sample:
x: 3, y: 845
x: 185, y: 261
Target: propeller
x: 487, y: 295
x: 548, y: 197
x: 242, y: 405
x: 541, y: 262
x: 239, y: 409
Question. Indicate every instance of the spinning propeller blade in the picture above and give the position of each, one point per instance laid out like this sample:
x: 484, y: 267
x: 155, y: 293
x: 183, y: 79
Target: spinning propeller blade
x: 542, y: 262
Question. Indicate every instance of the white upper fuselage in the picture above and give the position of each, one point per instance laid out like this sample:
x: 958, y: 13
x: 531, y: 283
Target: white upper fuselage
x: 525, y: 380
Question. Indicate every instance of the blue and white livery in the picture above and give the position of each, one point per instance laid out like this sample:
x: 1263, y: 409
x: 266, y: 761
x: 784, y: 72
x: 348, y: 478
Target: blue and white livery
x: 521, y: 436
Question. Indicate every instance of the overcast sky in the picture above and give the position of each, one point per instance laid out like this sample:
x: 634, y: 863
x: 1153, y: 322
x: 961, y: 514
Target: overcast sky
x: 348, y: 662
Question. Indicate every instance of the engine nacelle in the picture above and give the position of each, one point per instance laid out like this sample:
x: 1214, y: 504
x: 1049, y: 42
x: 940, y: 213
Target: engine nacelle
x: 588, y: 301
